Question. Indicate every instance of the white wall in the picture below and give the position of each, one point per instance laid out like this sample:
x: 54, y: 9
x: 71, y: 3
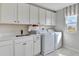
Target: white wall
x: 60, y: 20
x: 70, y: 40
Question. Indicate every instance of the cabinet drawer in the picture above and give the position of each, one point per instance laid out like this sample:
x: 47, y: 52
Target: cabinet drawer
x: 28, y: 38
x: 23, y: 39
x: 19, y: 40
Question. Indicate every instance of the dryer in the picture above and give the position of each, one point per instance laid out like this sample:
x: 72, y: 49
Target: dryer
x: 58, y: 40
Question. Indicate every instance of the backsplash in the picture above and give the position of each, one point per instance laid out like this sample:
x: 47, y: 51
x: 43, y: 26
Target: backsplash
x: 39, y: 27
x: 6, y: 30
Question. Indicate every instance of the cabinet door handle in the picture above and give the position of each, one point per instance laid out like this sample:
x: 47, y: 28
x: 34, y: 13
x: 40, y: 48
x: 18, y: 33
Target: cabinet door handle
x: 18, y: 21
x: 34, y: 41
x: 24, y: 43
x: 38, y: 22
x: 14, y: 21
x: 38, y: 37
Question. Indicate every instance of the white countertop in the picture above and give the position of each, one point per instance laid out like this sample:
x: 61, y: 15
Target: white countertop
x: 13, y: 37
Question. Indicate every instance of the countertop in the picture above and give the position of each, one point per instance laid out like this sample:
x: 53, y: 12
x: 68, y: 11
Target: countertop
x: 23, y: 35
x: 14, y: 37
x: 26, y: 35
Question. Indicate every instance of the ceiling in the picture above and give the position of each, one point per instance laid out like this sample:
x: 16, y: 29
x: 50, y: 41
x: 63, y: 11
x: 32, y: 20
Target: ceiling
x: 54, y: 6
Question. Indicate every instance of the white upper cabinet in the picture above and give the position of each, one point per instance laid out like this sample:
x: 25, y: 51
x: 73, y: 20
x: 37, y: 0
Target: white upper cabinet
x: 9, y: 13
x: 33, y: 15
x: 42, y: 15
x: 53, y: 19
x: 23, y: 13
x: 48, y: 17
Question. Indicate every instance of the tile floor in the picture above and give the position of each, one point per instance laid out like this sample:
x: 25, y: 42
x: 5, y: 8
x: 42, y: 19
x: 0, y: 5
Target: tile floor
x: 63, y: 52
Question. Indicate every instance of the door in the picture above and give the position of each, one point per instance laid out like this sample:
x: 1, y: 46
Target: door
x: 53, y: 19
x: 48, y: 17
x: 23, y: 13
x: 9, y: 13
x: 6, y: 48
x: 42, y: 15
x: 29, y: 48
x: 19, y: 49
x: 33, y: 15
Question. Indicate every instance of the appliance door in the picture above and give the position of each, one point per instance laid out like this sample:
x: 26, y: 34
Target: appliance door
x: 47, y: 44
x: 58, y: 40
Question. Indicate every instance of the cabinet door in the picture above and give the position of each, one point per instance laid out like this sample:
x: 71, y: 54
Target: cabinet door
x: 6, y: 48
x: 19, y: 49
x: 42, y: 15
x: 48, y: 18
x: 33, y: 15
x: 23, y: 13
x: 9, y: 13
x: 53, y: 19
x: 37, y: 47
x: 29, y: 48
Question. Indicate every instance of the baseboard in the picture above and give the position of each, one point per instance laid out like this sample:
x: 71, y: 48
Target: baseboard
x: 76, y: 50
x: 37, y: 54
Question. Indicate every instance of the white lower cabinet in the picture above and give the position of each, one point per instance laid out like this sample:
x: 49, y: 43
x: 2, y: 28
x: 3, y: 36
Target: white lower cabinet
x: 24, y: 49
x: 28, y: 45
x: 6, y: 48
x: 37, y: 45
x: 29, y: 48
x: 19, y: 49
x: 24, y: 46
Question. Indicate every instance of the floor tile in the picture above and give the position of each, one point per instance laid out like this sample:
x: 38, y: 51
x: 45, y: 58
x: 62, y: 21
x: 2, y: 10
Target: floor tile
x: 63, y: 52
